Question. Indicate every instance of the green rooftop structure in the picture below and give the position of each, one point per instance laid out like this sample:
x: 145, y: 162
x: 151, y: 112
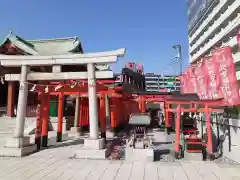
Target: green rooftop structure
x: 13, y: 44
x: 55, y: 46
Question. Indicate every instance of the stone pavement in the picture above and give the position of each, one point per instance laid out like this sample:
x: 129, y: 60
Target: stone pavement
x: 62, y: 168
x: 58, y: 162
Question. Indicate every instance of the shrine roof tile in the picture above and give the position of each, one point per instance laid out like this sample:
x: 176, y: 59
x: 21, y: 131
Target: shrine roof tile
x: 54, y: 46
x: 46, y: 46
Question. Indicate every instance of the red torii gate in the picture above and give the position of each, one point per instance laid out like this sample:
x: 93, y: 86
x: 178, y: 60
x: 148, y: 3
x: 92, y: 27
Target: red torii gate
x: 64, y: 88
x: 193, y: 101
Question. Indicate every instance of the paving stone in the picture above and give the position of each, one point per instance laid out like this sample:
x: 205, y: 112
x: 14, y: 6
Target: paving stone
x: 98, y: 170
x: 179, y: 173
x: 191, y: 171
x: 34, y: 168
x: 203, y: 171
x: 53, y: 165
x: 125, y: 171
x: 111, y: 171
x: 138, y: 170
x: 74, y: 167
x: 165, y: 171
x: 87, y: 170
x: 151, y: 171
x: 58, y: 162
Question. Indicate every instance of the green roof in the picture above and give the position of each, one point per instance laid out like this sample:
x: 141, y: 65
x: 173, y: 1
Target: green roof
x: 45, y: 46
x: 41, y: 47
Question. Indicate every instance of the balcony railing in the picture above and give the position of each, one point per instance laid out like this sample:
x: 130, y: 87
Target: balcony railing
x: 218, y: 37
x: 218, y: 24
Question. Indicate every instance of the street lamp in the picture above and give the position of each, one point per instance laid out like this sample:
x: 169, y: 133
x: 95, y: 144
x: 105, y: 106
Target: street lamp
x: 179, y: 55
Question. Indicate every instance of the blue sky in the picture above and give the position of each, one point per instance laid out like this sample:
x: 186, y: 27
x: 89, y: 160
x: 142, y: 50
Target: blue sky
x: 147, y: 29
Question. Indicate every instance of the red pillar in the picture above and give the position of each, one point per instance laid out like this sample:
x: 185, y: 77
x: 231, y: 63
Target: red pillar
x: 209, y: 131
x: 80, y: 121
x: 177, y: 130
x: 167, y: 123
x: 38, y: 122
x: 143, y: 106
x: 113, y: 119
x: 113, y: 115
x: 84, y: 114
x: 11, y: 98
x: 60, y: 116
x: 102, y: 116
x: 45, y: 117
x: 140, y: 103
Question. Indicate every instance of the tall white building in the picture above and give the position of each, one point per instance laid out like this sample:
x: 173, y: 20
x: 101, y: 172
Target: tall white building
x: 213, y: 23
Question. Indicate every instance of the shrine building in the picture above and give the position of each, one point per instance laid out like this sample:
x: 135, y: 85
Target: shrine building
x: 16, y: 45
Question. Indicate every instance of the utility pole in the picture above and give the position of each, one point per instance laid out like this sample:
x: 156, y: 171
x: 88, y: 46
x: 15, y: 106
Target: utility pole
x: 179, y: 56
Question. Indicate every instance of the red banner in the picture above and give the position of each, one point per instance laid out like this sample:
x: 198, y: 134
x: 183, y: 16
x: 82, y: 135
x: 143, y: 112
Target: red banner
x: 192, y: 79
x: 226, y: 75
x: 183, y: 83
x: 186, y: 83
x: 213, y: 78
x: 201, y: 81
x: 209, y: 70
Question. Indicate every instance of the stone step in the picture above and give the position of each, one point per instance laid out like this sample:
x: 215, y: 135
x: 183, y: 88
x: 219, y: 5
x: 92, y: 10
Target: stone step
x: 7, y: 122
x: 51, y: 138
x: 193, y: 156
x: 132, y: 154
x: 6, y: 132
x: 3, y: 136
x: 18, y: 152
x: 6, y: 127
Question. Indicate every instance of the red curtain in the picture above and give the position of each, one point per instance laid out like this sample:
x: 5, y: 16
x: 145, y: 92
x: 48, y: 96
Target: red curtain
x: 212, y: 83
x: 182, y: 83
x: 213, y: 78
x: 192, y: 79
x: 201, y: 80
x: 226, y: 75
x: 185, y: 85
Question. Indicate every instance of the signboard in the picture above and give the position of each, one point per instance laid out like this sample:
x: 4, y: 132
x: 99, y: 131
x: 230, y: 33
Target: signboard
x: 196, y: 10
